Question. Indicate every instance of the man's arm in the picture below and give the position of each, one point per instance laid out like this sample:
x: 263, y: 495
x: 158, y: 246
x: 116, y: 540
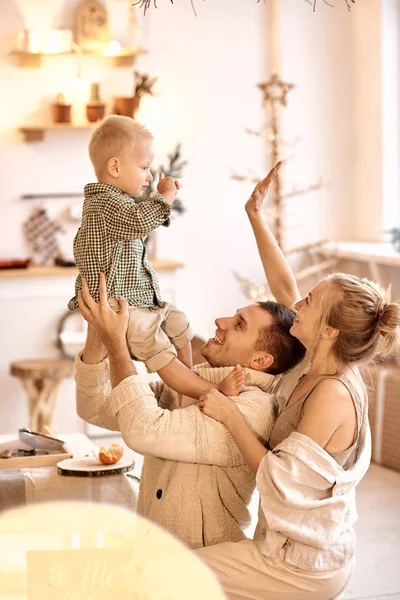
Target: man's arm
x: 121, y: 365
x: 94, y: 351
x: 92, y: 372
x: 109, y: 332
x: 185, y: 435
x: 93, y: 392
x: 92, y: 378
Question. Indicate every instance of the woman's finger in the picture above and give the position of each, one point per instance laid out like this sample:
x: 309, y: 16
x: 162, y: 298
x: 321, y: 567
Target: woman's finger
x: 271, y: 175
x: 266, y: 182
x: 275, y: 169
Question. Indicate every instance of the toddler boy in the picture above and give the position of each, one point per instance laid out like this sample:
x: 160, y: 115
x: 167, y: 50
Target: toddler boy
x: 111, y: 240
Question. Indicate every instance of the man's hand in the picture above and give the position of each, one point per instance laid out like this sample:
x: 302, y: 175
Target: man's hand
x: 254, y: 203
x: 222, y: 409
x: 168, y: 187
x: 110, y: 326
x: 219, y: 407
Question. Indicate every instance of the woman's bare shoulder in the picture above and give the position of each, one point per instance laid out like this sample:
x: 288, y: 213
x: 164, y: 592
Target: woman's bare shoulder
x: 329, y: 406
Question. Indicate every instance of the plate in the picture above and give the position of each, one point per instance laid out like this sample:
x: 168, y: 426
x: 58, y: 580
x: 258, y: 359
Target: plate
x: 38, y: 440
x: 90, y: 467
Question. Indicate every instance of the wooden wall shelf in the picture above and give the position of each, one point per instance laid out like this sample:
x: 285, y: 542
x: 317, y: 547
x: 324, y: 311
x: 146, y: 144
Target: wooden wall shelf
x: 35, y: 133
x: 33, y: 60
x: 158, y: 265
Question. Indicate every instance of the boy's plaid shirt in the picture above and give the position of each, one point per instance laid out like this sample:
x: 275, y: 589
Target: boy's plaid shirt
x: 110, y: 239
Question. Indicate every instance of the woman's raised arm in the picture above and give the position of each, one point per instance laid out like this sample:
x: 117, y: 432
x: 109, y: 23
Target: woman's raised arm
x: 279, y: 275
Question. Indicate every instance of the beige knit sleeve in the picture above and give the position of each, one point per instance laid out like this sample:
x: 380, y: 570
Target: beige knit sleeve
x: 185, y: 435
x: 93, y: 389
x: 157, y: 387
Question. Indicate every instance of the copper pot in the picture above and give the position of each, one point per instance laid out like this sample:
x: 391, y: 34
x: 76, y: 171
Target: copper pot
x: 126, y: 105
x: 61, y: 113
x: 95, y: 112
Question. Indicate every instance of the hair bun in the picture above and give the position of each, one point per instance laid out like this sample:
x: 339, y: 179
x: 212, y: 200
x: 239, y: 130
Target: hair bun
x: 389, y: 322
x: 382, y: 311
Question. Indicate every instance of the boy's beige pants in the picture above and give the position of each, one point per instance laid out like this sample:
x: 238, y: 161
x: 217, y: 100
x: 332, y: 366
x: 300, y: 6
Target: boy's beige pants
x: 155, y: 334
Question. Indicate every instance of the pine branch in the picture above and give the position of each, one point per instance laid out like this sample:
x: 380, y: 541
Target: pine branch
x: 145, y: 4
x: 174, y: 169
x: 314, y: 3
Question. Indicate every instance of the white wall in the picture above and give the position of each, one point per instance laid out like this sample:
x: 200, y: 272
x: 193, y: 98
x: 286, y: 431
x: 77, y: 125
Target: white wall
x: 223, y: 62
x: 208, y: 68
x: 390, y: 65
x: 30, y: 311
x: 376, y: 59
x: 317, y: 51
x: 368, y: 167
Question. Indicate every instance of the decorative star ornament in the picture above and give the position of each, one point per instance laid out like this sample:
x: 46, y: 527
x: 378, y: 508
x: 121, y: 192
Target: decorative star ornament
x: 275, y: 90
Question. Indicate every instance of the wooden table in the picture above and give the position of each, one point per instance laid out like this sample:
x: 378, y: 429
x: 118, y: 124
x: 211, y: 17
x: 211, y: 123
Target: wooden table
x: 44, y: 484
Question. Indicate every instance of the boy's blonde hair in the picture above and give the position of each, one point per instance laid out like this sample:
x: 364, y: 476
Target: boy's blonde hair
x: 112, y: 136
x: 367, y: 320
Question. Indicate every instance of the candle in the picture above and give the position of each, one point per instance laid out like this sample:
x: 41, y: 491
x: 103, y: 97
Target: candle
x: 33, y: 41
x: 75, y: 541
x: 113, y: 48
x: 56, y: 41
x: 275, y: 37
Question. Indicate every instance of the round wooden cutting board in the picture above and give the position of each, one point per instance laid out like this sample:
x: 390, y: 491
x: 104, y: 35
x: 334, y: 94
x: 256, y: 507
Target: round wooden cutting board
x: 90, y: 467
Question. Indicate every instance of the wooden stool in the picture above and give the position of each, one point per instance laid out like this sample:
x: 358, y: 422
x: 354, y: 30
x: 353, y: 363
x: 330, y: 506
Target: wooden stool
x: 41, y: 380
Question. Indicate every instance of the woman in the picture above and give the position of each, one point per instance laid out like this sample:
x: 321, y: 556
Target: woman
x: 320, y: 444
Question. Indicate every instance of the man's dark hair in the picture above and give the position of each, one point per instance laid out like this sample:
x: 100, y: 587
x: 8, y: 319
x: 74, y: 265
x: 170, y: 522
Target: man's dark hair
x: 276, y: 339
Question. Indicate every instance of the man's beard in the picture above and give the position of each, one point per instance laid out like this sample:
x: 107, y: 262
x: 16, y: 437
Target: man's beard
x: 223, y: 357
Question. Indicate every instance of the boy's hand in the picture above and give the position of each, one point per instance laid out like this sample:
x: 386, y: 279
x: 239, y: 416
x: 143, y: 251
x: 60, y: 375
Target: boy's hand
x: 256, y: 199
x: 110, y: 326
x: 168, y: 187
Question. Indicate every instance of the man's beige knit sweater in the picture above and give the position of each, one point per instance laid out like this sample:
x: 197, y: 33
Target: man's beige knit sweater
x: 194, y: 480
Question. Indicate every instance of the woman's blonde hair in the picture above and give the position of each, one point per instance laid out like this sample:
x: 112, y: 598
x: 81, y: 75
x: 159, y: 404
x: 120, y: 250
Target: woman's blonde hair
x: 367, y: 320
x: 112, y: 136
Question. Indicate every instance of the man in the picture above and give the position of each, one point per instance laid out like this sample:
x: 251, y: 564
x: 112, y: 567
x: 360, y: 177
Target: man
x: 194, y: 480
